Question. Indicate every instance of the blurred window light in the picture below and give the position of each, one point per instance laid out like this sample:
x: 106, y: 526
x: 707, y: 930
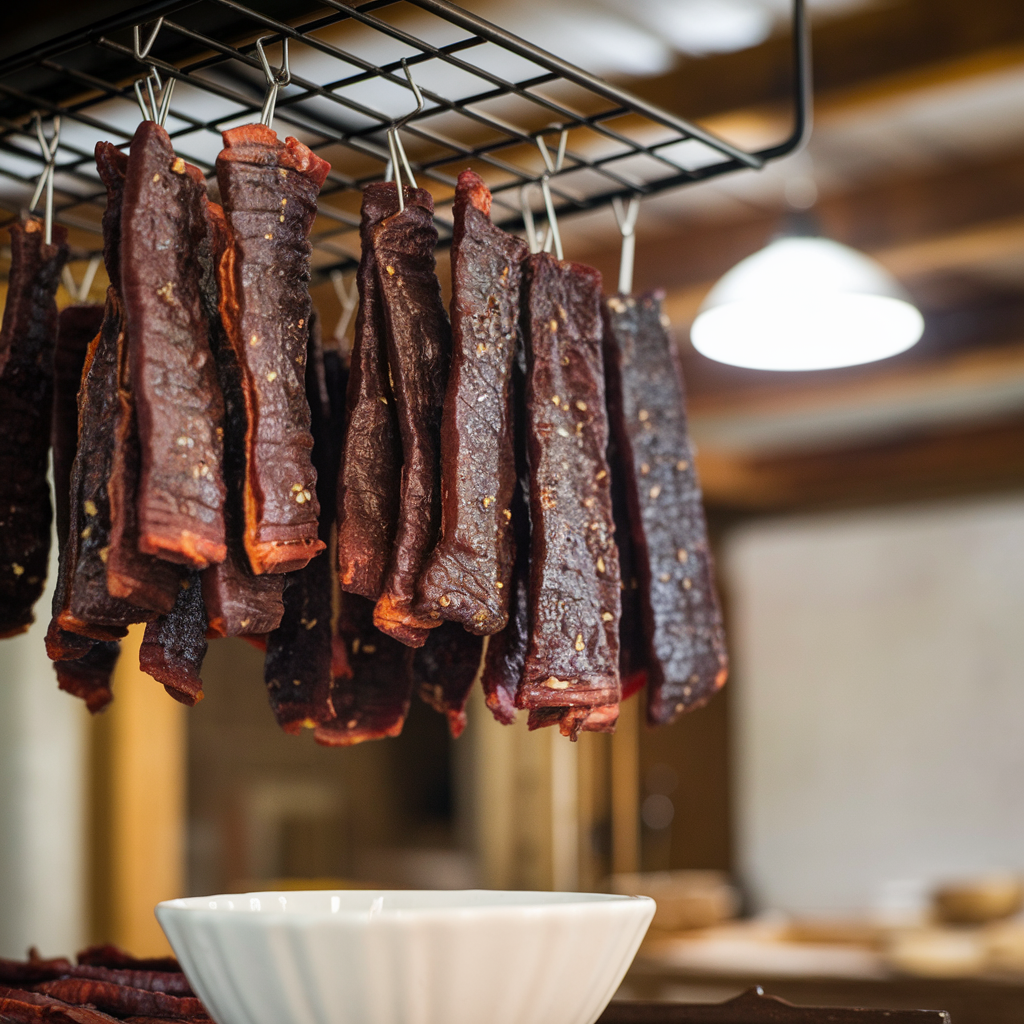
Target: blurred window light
x: 700, y: 27
x: 657, y: 811
x: 805, y: 303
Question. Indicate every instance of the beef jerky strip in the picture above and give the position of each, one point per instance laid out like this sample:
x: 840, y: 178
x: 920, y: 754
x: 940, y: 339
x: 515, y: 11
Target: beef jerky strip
x: 269, y: 191
x: 298, y: 666
x: 419, y: 344
x: 237, y: 600
x: 174, y: 645
x: 25, y: 1007
x: 372, y: 702
x: 27, y: 340
x: 199, y: 1018
x: 467, y: 577
x: 686, y: 656
x: 22, y: 972
x: 113, y: 956
x: 371, y: 457
x: 573, y: 655
x: 443, y: 671
x: 172, y: 982
x: 179, y: 408
x: 120, y: 1000
x: 88, y: 676
x: 572, y: 721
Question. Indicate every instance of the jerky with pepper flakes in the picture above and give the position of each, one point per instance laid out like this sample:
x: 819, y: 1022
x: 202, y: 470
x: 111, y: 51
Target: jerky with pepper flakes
x: 178, y: 404
x: 443, y: 671
x: 419, y: 346
x: 269, y: 190
x: 120, y: 1000
x: 174, y: 645
x: 573, y: 655
x: 371, y: 457
x: 467, y: 577
x: 237, y: 600
x: 686, y: 657
x: 27, y: 340
x: 372, y: 700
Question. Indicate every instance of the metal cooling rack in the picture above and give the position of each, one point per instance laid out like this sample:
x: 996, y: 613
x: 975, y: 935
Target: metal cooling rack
x: 487, y: 98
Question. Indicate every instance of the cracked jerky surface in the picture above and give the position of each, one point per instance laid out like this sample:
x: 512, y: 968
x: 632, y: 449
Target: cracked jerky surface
x: 174, y: 645
x: 27, y: 340
x: 371, y: 457
x: 686, y: 658
x: 419, y: 348
x: 573, y: 654
x: 269, y: 191
x: 178, y: 403
x: 237, y: 600
x: 372, y: 700
x: 467, y: 577
x: 443, y: 671
x: 298, y: 669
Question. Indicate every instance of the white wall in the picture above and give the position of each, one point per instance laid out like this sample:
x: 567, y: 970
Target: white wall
x: 879, y: 697
x: 42, y: 789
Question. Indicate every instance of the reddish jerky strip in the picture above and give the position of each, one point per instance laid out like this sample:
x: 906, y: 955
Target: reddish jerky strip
x: 179, y: 408
x: 686, y: 656
x: 571, y: 721
x: 269, y: 191
x: 120, y: 1000
x: 372, y: 702
x: 371, y: 457
x: 466, y: 578
x: 174, y: 645
x: 237, y: 600
x: 114, y: 956
x: 443, y: 671
x: 172, y: 982
x: 58, y: 1009
x: 88, y: 676
x: 573, y: 655
x: 20, y: 972
x: 27, y: 340
x: 298, y: 666
x: 419, y: 344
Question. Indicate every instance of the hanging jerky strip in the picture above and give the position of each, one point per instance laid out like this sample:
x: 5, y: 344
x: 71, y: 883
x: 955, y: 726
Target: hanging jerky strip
x: 686, y: 656
x: 419, y: 346
x: 371, y: 457
x: 174, y: 645
x: 467, y: 577
x: 121, y: 1000
x: 88, y: 676
x: 299, y: 662
x: 573, y: 655
x: 269, y: 190
x: 27, y: 340
x: 179, y: 408
x: 372, y: 701
x: 443, y: 670
x: 237, y: 600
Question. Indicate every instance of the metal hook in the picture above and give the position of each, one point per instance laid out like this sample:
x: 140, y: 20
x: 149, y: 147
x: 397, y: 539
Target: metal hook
x: 49, y: 153
x: 553, y: 167
x: 141, y: 53
x: 154, y: 110
x: 276, y: 77
x: 399, y: 161
x: 348, y: 296
x: 528, y: 221
x: 625, y: 217
x: 80, y: 292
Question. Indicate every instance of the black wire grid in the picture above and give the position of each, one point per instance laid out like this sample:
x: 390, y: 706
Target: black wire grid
x: 488, y: 96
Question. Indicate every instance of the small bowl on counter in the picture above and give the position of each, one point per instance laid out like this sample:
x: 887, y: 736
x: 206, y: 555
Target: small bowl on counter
x: 406, y: 957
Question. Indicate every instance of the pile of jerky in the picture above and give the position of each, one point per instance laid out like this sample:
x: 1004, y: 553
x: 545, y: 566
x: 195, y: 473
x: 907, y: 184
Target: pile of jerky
x: 508, y: 493
x: 103, y: 986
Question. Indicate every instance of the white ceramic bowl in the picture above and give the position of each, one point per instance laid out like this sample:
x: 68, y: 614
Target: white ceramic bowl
x: 406, y: 957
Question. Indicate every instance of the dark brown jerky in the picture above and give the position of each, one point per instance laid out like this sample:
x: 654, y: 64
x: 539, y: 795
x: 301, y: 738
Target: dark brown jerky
x: 443, y: 671
x: 371, y: 459
x: 88, y: 675
x: 298, y: 669
x: 571, y: 721
x: 372, y: 701
x: 174, y: 645
x: 237, y: 600
x: 172, y: 982
x: 27, y: 340
x: 113, y: 956
x: 419, y: 348
x: 120, y: 1000
x: 28, y: 972
x: 573, y: 655
x: 269, y: 190
x: 686, y: 656
x: 19, y: 1007
x: 178, y: 405
x: 466, y: 579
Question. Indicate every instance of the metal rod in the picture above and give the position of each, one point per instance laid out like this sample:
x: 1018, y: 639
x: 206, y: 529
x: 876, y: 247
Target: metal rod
x: 625, y: 217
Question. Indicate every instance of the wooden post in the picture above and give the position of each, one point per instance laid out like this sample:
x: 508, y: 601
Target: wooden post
x: 626, y: 789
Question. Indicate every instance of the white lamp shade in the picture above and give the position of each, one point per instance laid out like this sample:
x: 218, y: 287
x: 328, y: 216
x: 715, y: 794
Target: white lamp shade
x: 805, y: 304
